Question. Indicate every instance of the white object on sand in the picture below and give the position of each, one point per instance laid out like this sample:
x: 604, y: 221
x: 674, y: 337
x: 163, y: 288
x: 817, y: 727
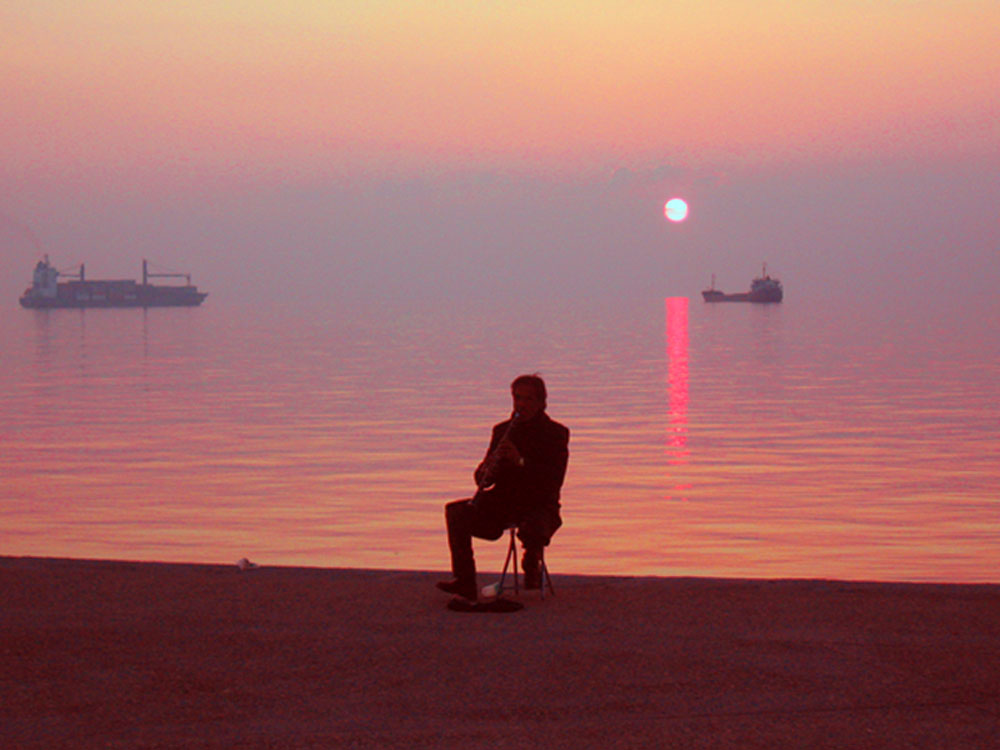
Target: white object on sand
x: 491, y: 589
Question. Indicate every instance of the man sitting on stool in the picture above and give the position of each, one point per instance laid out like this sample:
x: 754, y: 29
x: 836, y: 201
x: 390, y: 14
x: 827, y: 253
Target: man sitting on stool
x: 519, y: 482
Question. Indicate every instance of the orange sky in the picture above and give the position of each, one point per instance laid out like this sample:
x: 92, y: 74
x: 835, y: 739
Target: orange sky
x: 334, y: 87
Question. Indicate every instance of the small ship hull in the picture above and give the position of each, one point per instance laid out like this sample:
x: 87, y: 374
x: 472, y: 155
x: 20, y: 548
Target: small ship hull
x: 714, y: 295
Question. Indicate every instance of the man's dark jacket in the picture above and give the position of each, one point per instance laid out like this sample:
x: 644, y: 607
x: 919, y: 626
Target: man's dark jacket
x: 529, y: 494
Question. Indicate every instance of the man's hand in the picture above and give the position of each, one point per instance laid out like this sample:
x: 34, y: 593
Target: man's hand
x: 509, y: 452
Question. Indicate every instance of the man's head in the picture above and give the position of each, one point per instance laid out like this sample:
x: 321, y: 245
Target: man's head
x: 528, y: 393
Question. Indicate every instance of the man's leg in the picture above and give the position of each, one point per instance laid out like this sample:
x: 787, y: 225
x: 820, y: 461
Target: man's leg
x: 531, y: 564
x: 535, y: 533
x: 459, y: 519
x: 464, y: 521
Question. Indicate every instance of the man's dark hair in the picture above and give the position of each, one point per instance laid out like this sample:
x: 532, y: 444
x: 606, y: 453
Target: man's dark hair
x: 536, y: 382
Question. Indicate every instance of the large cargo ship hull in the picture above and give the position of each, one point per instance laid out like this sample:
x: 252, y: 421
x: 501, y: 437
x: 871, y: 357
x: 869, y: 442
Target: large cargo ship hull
x: 73, y: 295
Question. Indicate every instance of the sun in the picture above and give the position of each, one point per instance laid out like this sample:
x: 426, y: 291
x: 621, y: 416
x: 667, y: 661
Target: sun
x: 676, y: 209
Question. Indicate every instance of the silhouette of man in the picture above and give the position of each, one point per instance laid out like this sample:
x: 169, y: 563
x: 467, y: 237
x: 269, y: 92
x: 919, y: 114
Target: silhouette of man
x: 519, y: 482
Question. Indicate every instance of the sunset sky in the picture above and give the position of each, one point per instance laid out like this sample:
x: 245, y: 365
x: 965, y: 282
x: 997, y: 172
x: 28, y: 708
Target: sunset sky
x: 407, y: 147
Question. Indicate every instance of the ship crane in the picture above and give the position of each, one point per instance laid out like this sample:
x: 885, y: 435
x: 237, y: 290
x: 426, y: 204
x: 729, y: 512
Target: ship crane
x: 79, y: 275
x: 146, y: 275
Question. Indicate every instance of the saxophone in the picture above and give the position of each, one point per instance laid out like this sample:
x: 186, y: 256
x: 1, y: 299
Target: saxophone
x: 485, y: 474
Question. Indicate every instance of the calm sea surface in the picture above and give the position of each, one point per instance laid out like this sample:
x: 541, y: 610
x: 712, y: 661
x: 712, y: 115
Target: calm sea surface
x: 713, y: 440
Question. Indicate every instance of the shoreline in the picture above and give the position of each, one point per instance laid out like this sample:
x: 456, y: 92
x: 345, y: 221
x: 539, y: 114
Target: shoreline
x: 487, y: 572
x: 101, y: 653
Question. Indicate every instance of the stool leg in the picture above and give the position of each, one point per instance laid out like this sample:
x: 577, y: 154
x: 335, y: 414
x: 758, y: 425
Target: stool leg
x: 513, y: 553
x: 546, y: 578
x: 507, y: 563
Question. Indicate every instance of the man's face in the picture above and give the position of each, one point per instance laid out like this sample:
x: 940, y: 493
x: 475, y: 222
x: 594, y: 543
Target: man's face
x: 526, y: 401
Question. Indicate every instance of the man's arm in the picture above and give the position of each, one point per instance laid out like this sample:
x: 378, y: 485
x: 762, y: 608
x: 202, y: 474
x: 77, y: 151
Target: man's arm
x: 480, y: 474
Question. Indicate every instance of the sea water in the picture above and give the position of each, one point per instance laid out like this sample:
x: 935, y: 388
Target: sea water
x: 734, y: 440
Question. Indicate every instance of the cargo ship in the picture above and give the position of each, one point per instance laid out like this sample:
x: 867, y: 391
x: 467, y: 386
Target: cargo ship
x: 762, y: 289
x: 48, y: 291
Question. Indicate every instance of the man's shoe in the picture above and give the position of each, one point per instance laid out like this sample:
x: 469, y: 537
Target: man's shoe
x: 459, y: 587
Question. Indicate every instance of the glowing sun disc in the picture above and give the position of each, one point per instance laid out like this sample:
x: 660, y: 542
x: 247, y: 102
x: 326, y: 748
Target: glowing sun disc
x: 676, y: 209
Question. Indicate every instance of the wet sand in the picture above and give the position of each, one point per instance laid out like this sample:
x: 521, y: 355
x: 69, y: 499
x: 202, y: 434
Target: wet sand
x: 143, y: 655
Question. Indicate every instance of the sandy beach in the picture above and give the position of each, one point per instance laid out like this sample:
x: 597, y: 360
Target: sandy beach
x: 146, y: 655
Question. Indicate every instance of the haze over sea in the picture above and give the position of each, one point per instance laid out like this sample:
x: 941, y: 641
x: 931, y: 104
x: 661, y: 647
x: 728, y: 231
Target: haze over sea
x: 799, y: 439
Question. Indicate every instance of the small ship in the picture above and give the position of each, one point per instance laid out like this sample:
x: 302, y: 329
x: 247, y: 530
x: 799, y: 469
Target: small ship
x: 48, y: 291
x: 762, y: 289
